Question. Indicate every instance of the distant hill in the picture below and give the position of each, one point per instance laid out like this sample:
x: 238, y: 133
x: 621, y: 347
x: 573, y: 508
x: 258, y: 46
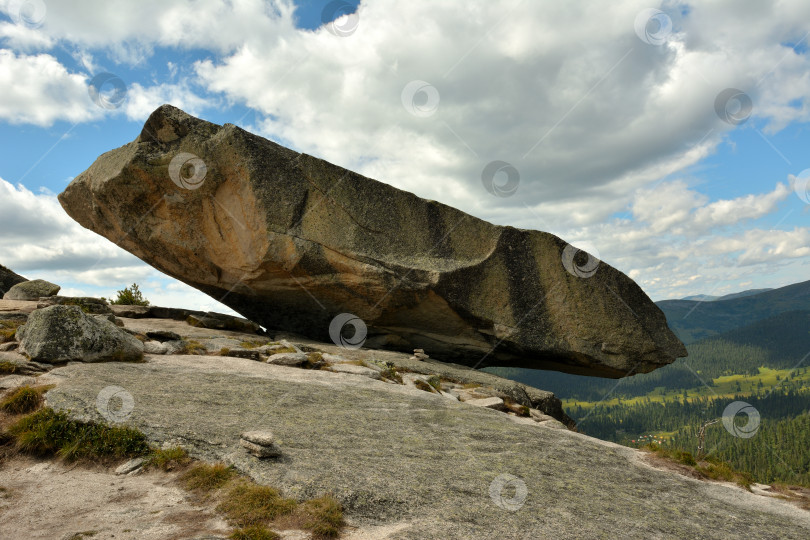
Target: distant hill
x: 693, y: 320
x: 741, y: 294
x: 710, y: 298
x: 779, y: 342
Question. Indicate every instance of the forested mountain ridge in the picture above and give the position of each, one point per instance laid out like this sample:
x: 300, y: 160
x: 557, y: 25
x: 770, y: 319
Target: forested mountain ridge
x: 692, y: 320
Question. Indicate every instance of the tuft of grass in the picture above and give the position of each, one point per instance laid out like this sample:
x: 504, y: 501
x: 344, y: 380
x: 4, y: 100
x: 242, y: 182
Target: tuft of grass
x: 191, y: 346
x: 323, y: 516
x: 206, y: 478
x: 169, y: 458
x: 8, y: 329
x: 252, y: 344
x: 254, y: 532
x: 422, y: 385
x: 224, y: 351
x: 471, y: 385
x: 392, y: 375
x: 284, y: 350
x: 84, y: 534
x: 248, y: 504
x: 436, y: 382
x: 48, y: 432
x: 24, y: 399
x: 7, y: 368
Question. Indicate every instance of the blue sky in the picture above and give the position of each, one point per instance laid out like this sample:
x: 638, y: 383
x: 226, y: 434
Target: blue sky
x: 612, y: 126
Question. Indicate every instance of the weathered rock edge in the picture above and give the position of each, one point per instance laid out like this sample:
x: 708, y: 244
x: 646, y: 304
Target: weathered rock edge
x: 290, y: 241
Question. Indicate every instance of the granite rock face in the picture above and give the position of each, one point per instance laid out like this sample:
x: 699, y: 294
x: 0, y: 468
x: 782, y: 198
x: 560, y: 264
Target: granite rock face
x: 291, y: 241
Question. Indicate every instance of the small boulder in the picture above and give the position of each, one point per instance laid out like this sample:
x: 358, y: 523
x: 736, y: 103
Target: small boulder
x: 262, y: 438
x: 488, y: 403
x: 63, y: 333
x: 260, y: 444
x: 31, y: 290
x: 155, y: 347
x: 130, y: 466
x: 288, y: 359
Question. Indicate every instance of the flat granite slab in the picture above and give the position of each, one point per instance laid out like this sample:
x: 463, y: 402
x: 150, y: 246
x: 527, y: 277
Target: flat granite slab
x: 428, y: 466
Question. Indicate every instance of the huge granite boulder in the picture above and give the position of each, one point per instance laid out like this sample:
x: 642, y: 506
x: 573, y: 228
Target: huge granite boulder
x: 31, y: 290
x: 291, y: 241
x: 8, y: 278
x: 62, y: 333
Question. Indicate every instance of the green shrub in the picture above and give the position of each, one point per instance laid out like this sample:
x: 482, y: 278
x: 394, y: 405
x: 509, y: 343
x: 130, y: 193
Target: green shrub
x: 130, y: 296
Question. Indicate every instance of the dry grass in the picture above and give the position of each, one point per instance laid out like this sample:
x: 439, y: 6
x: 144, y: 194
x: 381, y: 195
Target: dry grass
x: 169, y: 458
x: 205, y: 478
x: 246, y: 503
x: 8, y: 368
x: 8, y: 328
x: 193, y: 347
x: 24, y: 399
x: 254, y: 532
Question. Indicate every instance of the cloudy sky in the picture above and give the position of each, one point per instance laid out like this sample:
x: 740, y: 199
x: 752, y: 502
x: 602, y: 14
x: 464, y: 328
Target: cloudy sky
x: 670, y: 139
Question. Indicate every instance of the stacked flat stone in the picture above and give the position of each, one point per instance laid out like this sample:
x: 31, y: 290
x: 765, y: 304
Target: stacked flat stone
x: 260, y: 444
x: 419, y: 354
